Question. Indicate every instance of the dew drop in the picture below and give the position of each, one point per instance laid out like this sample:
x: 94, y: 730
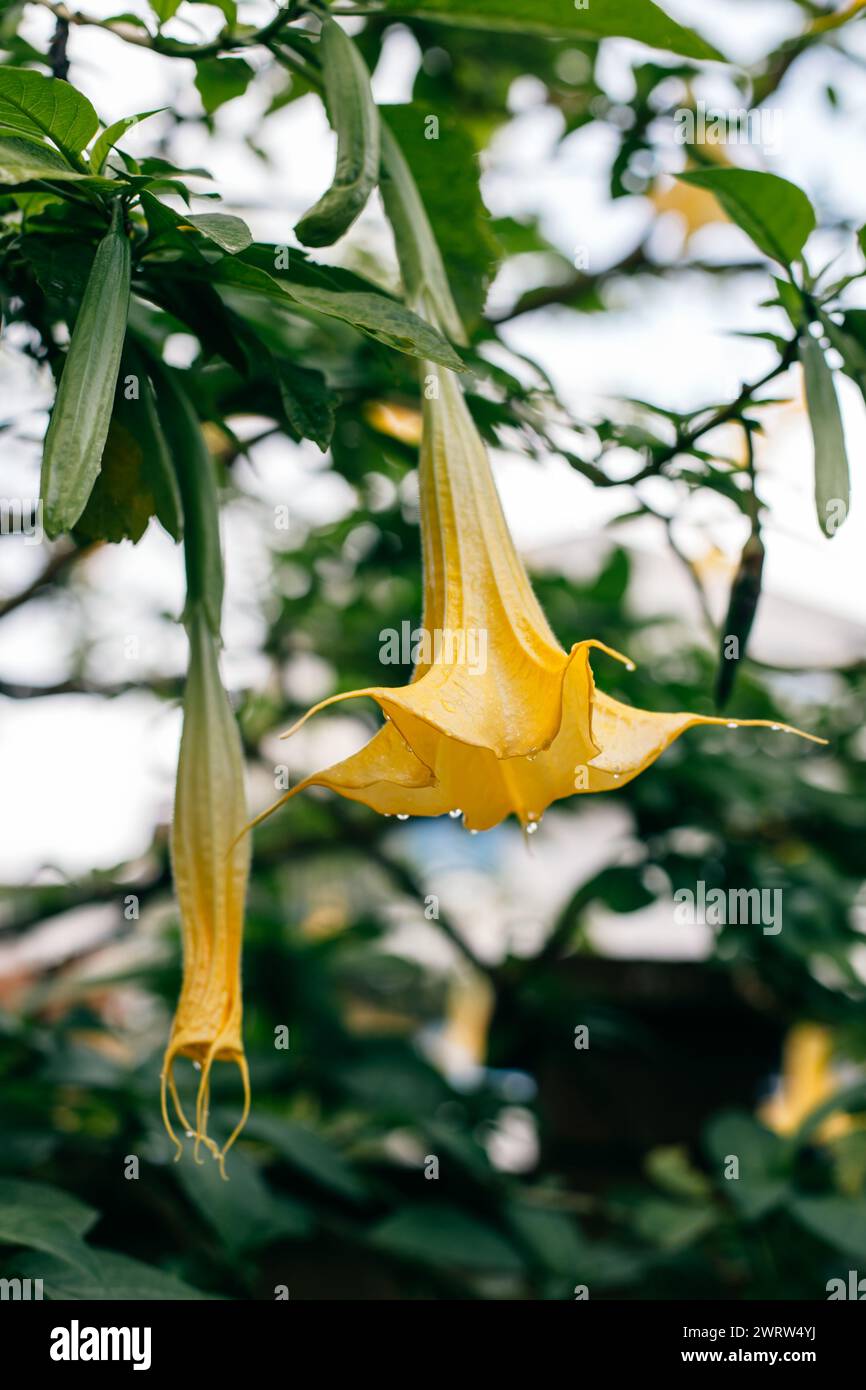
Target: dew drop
x: 732, y: 724
x: 473, y: 832
x: 402, y: 816
x: 197, y: 1066
x: 630, y: 666
x: 616, y: 776
x: 530, y: 757
x: 532, y: 827
x: 190, y: 1134
x: 775, y: 728
x: 455, y: 813
x: 387, y: 815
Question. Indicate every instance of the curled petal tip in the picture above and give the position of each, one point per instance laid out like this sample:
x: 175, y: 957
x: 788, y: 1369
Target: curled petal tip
x: 610, y: 651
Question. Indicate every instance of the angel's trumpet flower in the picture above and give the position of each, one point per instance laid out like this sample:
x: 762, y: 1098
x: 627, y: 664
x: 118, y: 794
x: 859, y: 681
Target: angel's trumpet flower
x: 210, y: 860
x: 523, y: 728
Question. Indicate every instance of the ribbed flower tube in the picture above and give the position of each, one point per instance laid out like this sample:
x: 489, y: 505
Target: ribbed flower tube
x: 210, y: 862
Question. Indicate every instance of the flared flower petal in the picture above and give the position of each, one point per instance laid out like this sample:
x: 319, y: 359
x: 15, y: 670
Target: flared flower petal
x: 498, y: 719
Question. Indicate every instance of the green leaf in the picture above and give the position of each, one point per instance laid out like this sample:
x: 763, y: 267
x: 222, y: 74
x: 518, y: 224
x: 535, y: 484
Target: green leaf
x: 849, y: 340
x: 47, y: 106
x: 105, y: 142
x: 832, y: 485
x: 79, y: 423
x: 670, y: 1168
x: 108, y: 1277
x: 763, y: 1163
x: 673, y: 1225
x: 120, y: 505
x: 229, y: 233
x: 553, y: 1238
x: 311, y: 1153
x: 44, y: 1218
x: 308, y: 401
x: 137, y: 478
x: 219, y: 80
x: 839, y: 1221
x: 165, y: 9
x: 355, y: 120
x: 631, y: 19
x: 436, y: 1233
x: 244, y: 1212
x: 22, y: 160
x: 776, y: 214
x: 376, y: 315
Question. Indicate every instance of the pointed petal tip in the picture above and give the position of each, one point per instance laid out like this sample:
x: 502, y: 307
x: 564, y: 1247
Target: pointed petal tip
x: 774, y: 724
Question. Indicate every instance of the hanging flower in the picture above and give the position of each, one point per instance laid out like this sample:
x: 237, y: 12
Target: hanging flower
x: 498, y: 719
x: 210, y: 860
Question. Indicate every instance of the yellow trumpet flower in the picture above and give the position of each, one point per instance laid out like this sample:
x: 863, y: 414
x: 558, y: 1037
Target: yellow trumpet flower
x: 210, y: 859
x: 518, y: 729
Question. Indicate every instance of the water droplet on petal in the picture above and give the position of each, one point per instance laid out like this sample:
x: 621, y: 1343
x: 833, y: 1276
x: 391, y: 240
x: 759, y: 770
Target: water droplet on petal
x: 530, y: 757
x: 387, y: 815
x: 402, y: 816
x: 455, y: 813
x: 630, y: 666
x: 616, y: 776
x: 190, y: 1134
x: 473, y: 832
x: 775, y: 728
x: 197, y: 1066
x: 532, y: 827
x: 732, y: 723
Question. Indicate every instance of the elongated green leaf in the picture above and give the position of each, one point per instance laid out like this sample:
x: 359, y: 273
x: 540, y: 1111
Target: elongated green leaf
x: 311, y: 1153
x: 424, y: 278
x: 832, y: 487
x: 434, y: 1233
x: 137, y: 478
x: 776, y: 214
x: 631, y: 19
x: 108, y: 1277
x: 22, y: 160
x: 104, y: 143
x: 82, y: 411
x: 355, y: 119
x: 374, y: 314
x: 47, y: 106
x: 43, y: 1218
